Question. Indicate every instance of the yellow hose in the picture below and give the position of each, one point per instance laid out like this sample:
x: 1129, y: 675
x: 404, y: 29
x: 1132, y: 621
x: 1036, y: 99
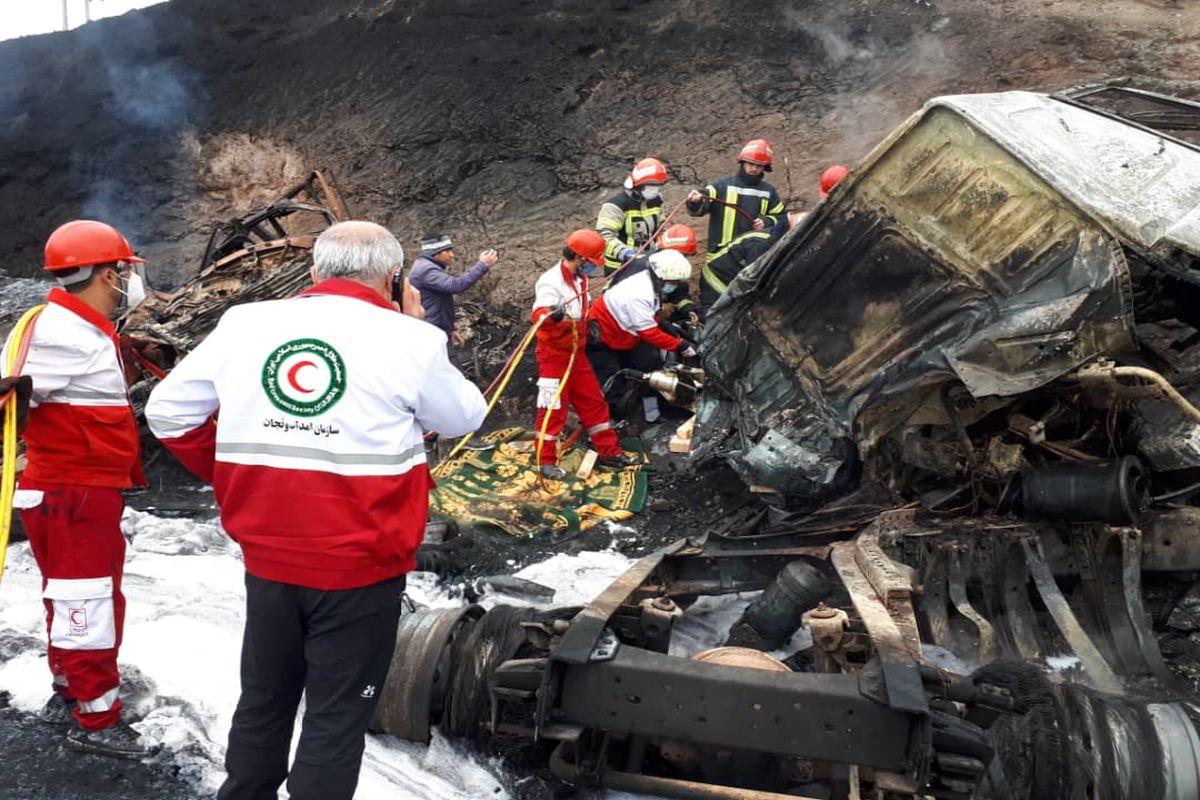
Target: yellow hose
x: 440, y: 469
x: 8, y: 480
x: 8, y: 474
x: 541, y: 437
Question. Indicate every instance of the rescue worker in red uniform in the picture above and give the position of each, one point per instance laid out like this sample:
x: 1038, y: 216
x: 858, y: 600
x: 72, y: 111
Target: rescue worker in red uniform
x: 318, y: 464
x: 561, y: 295
x: 625, y: 327
x: 631, y: 218
x: 82, y: 446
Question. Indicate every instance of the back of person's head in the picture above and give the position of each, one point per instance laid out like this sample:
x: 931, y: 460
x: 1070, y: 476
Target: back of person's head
x: 358, y: 250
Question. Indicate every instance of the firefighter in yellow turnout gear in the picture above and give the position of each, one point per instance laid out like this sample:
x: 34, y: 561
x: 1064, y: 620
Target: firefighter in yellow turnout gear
x: 741, y: 202
x: 631, y: 218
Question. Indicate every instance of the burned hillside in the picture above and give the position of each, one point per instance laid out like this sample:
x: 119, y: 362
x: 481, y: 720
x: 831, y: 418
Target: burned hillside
x: 504, y: 123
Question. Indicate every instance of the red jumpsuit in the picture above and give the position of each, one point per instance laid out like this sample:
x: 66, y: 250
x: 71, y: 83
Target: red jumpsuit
x: 82, y: 445
x: 556, y: 340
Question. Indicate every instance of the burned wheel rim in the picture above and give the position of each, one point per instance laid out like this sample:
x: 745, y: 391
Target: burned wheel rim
x: 411, y: 702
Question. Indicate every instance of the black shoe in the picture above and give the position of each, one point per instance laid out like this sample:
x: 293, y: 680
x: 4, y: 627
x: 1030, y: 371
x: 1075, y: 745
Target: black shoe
x: 620, y: 461
x: 553, y: 472
x: 57, y: 710
x: 119, y: 741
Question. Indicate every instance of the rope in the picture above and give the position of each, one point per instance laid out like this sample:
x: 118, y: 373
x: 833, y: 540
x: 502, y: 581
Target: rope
x: 502, y: 378
x: 514, y: 359
x: 734, y: 206
x: 19, y: 340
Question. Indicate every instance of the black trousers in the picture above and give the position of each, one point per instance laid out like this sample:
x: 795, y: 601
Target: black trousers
x: 335, y: 647
x: 607, y: 362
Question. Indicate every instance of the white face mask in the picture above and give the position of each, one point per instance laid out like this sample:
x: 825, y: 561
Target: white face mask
x: 651, y: 192
x: 134, y: 291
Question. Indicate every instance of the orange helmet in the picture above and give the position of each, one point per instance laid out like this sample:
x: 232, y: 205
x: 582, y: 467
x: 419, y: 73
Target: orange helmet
x: 679, y: 237
x: 832, y: 177
x: 758, y: 151
x: 648, y: 171
x: 587, y: 243
x: 85, y: 243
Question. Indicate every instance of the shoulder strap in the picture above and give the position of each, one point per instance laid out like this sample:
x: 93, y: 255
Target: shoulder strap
x: 19, y: 339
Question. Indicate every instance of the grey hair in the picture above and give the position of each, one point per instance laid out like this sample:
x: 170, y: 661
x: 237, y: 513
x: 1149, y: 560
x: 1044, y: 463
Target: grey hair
x: 358, y: 250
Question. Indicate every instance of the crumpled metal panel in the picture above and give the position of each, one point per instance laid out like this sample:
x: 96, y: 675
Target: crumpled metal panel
x: 1166, y: 439
x: 1052, y: 327
x: 950, y: 254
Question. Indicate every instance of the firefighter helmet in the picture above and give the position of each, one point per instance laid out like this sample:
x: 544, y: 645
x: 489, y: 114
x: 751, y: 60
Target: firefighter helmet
x: 758, y: 151
x: 679, y: 237
x: 647, y: 172
x: 831, y: 177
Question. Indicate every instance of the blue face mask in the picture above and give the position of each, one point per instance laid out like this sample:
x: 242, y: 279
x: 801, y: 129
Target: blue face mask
x: 669, y: 286
x: 587, y: 268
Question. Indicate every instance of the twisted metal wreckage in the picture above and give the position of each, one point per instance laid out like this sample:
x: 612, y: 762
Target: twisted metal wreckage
x: 964, y: 390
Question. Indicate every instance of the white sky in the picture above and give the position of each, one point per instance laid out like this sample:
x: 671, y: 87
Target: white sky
x: 26, y: 17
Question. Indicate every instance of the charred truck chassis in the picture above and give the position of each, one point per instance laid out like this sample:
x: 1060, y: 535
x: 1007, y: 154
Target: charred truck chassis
x: 867, y: 710
x: 263, y: 255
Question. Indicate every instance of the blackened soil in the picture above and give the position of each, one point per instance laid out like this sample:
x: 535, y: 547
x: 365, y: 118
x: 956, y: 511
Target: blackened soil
x: 38, y: 765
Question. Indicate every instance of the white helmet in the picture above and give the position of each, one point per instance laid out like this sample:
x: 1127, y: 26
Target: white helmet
x: 671, y: 265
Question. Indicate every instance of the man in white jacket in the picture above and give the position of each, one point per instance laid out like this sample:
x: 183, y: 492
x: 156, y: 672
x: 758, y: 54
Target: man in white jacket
x: 318, y: 465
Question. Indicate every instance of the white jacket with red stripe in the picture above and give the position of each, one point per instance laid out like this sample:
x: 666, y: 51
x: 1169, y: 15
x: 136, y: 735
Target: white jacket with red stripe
x: 81, y: 429
x: 628, y: 313
x: 560, y: 286
x: 318, y: 457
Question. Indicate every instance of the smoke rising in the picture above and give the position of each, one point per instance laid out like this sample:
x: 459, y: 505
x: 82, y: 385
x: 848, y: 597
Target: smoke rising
x: 152, y: 100
x: 880, y: 75
x: 151, y: 96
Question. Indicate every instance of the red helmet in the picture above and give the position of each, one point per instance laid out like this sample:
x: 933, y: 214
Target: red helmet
x: 758, y: 151
x: 679, y: 237
x: 587, y: 243
x: 832, y: 177
x: 85, y: 243
x: 648, y: 171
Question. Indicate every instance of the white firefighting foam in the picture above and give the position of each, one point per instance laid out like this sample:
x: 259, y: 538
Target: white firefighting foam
x: 184, y: 590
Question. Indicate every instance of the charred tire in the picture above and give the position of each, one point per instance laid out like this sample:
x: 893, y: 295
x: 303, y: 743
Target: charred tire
x: 418, y: 679
x: 1032, y: 758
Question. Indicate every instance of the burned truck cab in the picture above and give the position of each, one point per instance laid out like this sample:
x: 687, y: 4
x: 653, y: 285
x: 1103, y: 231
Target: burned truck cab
x: 958, y: 279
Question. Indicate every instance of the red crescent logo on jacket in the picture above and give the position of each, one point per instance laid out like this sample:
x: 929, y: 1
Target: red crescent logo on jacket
x: 291, y: 376
x: 324, y: 373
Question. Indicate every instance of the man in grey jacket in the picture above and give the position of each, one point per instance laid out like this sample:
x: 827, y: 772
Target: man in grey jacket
x: 438, y: 287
